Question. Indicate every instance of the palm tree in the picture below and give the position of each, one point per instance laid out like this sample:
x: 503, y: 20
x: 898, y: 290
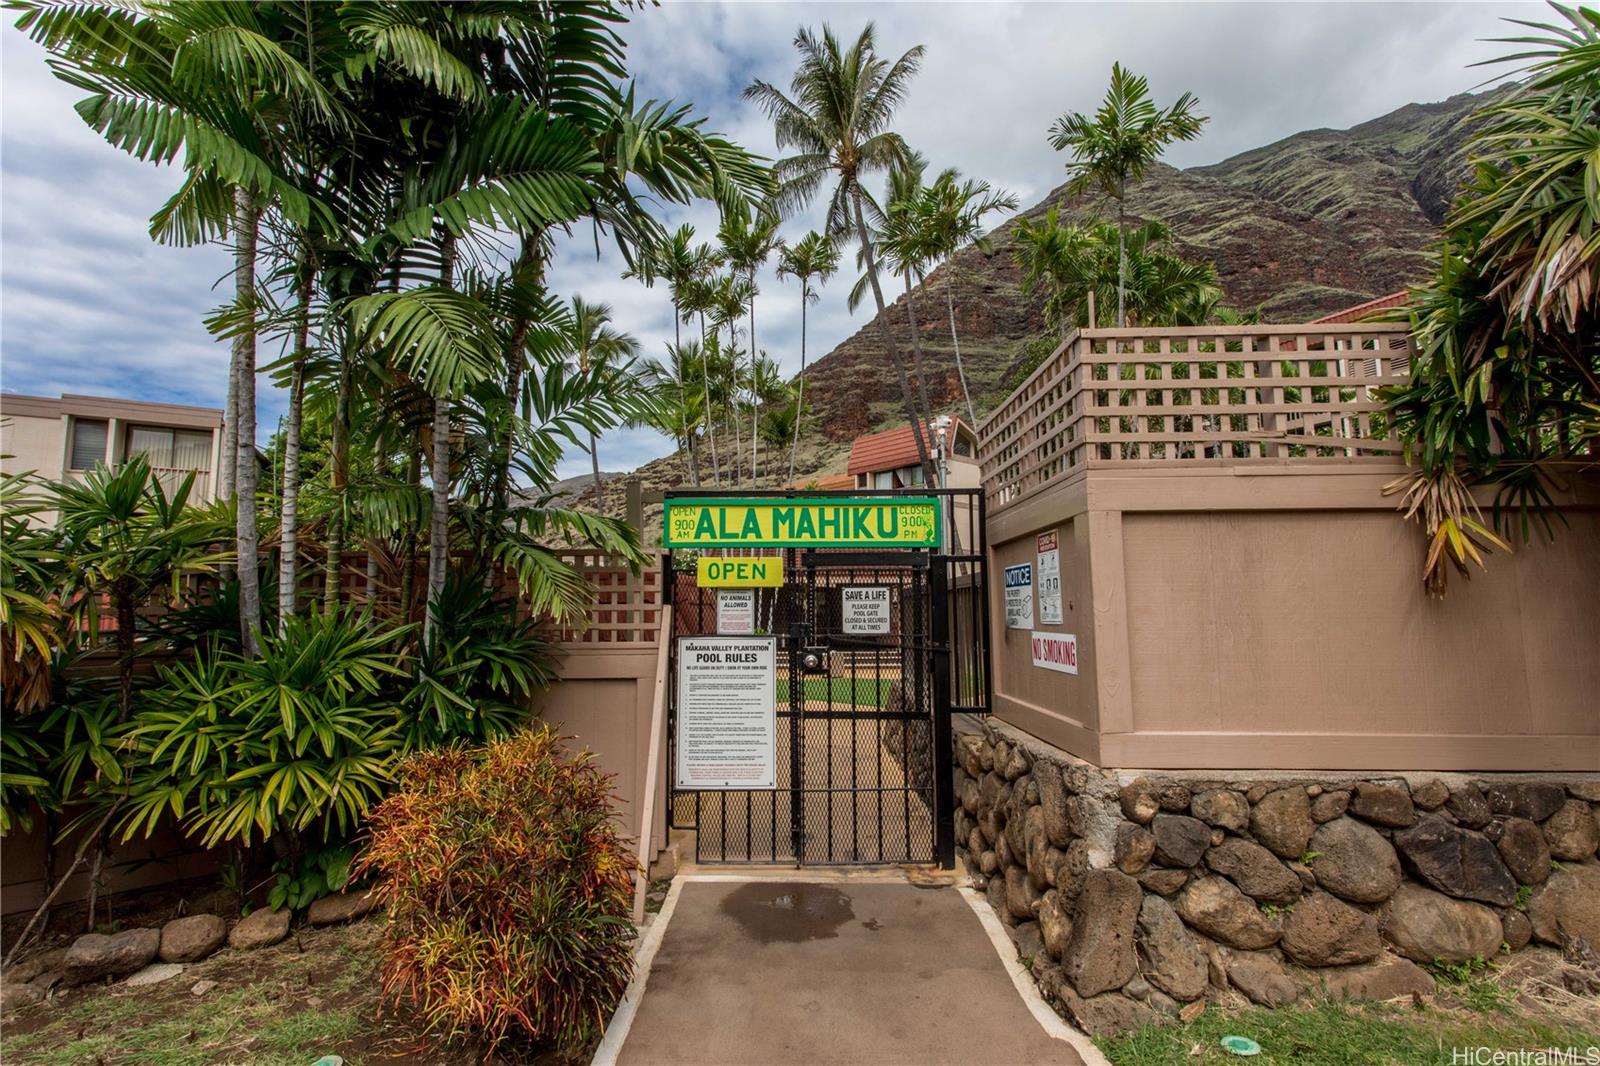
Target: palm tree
x: 676, y: 260
x: 951, y: 218
x: 1159, y: 287
x: 814, y: 256
x: 732, y: 295
x: 747, y: 243
x: 696, y: 297
x: 836, y: 122
x: 599, y: 349
x: 1120, y: 142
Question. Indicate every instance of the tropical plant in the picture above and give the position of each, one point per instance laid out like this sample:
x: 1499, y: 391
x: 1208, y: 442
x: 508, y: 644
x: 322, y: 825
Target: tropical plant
x: 598, y: 347
x: 123, y: 538
x: 836, y: 121
x: 1119, y: 143
x: 1505, y: 384
x: 813, y: 257
x: 31, y: 622
x: 476, y: 675
x: 506, y: 887
x: 1156, y: 286
x: 300, y: 740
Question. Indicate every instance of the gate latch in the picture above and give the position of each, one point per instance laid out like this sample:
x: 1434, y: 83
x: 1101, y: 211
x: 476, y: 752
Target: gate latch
x: 814, y: 660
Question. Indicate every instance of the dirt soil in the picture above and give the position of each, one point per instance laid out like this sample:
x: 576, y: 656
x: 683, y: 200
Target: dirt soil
x: 315, y: 994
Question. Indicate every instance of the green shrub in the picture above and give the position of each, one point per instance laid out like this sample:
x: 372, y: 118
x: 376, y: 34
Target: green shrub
x: 507, y: 887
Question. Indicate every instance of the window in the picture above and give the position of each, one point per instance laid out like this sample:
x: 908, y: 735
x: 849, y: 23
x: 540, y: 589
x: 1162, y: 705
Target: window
x: 171, y: 449
x: 88, y: 443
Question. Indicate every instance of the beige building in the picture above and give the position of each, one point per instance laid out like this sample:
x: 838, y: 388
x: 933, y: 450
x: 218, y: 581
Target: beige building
x: 64, y: 438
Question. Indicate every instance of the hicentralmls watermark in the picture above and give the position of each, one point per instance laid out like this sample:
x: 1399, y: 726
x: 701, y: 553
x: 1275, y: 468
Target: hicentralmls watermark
x: 1545, y: 1056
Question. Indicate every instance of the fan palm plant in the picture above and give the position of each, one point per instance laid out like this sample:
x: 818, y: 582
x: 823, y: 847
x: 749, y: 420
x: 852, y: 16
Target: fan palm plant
x: 123, y: 538
x: 814, y: 256
x: 1119, y: 143
x: 835, y: 119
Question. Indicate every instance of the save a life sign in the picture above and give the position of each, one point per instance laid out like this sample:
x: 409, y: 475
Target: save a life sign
x: 864, y: 611
x: 1019, y: 596
x: 727, y: 713
x: 841, y: 522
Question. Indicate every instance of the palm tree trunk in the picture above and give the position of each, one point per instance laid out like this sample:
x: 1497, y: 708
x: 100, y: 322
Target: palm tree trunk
x: 226, y: 477
x: 711, y: 429
x: 338, y: 477
x: 950, y: 305
x: 800, y: 397
x: 738, y: 437
x: 439, y: 521
x: 887, y: 334
x: 599, y: 488
x: 755, y: 389
x: 683, y: 417
x: 916, y: 355
x: 247, y: 214
x: 531, y: 258
x: 1122, y: 254
x: 289, y: 550
x: 408, y: 543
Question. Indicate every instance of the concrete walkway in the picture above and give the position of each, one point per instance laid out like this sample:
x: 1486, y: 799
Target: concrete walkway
x: 840, y: 971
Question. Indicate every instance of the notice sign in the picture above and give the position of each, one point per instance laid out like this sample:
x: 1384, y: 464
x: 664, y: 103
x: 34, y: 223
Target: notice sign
x: 761, y: 571
x: 1056, y: 651
x: 803, y: 521
x: 864, y: 610
x: 736, y: 612
x: 1019, y: 596
x: 727, y: 719
x: 1049, y: 579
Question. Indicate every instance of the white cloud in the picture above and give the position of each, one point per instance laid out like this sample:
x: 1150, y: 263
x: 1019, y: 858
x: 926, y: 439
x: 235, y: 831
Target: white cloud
x: 89, y: 303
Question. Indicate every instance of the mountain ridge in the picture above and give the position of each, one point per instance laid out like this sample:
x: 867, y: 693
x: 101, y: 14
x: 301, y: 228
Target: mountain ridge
x: 1309, y: 224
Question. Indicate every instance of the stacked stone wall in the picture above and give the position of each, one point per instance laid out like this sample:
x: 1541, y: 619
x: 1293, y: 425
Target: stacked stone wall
x: 1132, y: 896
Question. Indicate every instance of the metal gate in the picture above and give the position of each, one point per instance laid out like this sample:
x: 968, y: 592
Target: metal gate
x: 863, y: 725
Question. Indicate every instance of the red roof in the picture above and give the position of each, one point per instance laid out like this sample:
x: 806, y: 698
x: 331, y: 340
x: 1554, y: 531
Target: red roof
x: 891, y: 449
x: 825, y: 482
x: 1364, y: 310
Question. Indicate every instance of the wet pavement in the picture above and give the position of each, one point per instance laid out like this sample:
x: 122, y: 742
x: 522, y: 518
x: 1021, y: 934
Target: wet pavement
x: 787, y: 972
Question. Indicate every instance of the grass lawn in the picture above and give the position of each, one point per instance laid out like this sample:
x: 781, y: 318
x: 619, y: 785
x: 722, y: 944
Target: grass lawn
x: 866, y: 691
x: 1330, y: 1034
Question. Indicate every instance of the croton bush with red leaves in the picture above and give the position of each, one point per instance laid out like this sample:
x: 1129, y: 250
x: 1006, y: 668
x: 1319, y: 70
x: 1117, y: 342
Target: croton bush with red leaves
x: 508, y: 890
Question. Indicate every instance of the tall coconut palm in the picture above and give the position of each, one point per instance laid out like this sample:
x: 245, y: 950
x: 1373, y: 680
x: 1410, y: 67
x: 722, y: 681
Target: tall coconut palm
x: 812, y: 257
x: 598, y: 347
x: 1119, y: 143
x: 951, y: 219
x: 835, y: 120
x: 695, y: 296
x: 747, y: 243
x: 733, y: 294
x: 677, y: 261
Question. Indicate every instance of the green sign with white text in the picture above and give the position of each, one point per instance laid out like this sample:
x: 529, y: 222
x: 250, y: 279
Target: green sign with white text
x: 818, y: 521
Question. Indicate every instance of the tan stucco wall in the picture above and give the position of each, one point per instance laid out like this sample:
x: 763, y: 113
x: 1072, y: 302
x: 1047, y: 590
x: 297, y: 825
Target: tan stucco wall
x: 31, y: 442
x: 1278, y: 621
x: 604, y: 701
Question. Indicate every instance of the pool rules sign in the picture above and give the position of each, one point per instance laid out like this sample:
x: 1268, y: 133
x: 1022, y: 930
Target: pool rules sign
x: 727, y: 712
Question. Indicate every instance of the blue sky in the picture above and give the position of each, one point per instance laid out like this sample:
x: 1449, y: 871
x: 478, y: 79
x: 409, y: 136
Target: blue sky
x: 88, y: 303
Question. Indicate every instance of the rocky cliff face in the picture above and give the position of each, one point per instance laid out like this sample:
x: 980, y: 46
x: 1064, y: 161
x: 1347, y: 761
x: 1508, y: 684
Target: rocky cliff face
x: 1316, y: 222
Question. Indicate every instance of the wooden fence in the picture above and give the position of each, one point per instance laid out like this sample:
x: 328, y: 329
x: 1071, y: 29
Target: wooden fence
x: 1192, y: 395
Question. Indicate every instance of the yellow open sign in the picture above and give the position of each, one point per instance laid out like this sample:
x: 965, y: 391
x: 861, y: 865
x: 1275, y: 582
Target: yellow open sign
x: 760, y: 571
